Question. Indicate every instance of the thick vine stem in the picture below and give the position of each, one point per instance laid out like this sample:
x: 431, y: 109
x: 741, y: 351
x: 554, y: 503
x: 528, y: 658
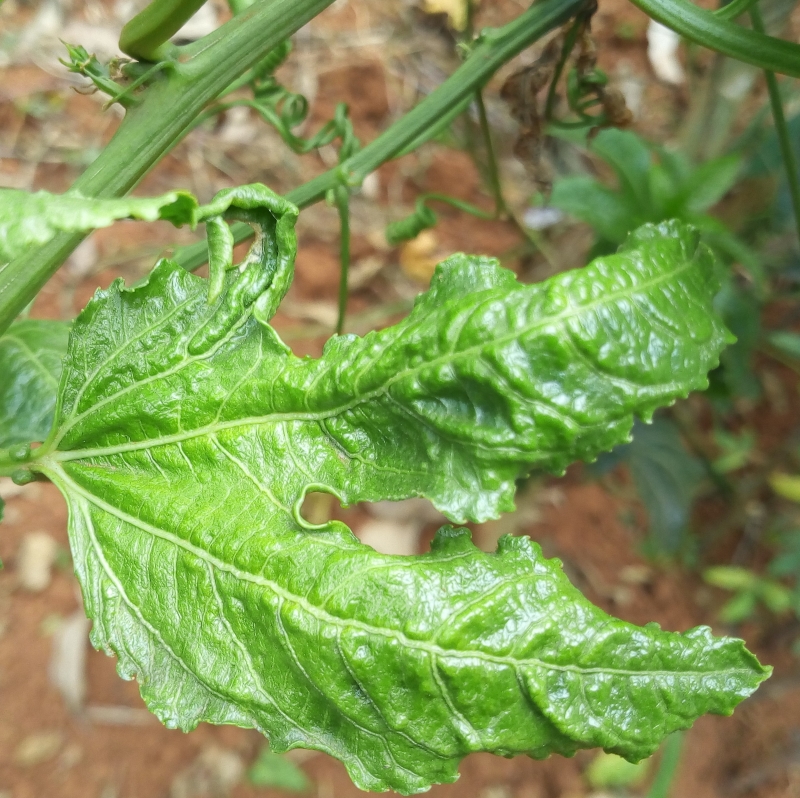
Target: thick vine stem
x: 712, y: 31
x: 494, y: 49
x: 154, y: 126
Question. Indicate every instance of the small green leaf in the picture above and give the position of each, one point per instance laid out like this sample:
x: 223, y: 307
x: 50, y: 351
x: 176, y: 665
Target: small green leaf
x: 30, y: 365
x: 730, y: 577
x: 710, y: 182
x: 777, y: 598
x: 188, y: 436
x: 736, y: 450
x: 605, y: 210
x: 786, y: 485
x: 630, y: 157
x: 739, y: 608
x: 31, y: 219
x: 276, y: 771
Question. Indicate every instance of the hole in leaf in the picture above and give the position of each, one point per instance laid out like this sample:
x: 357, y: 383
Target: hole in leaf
x: 317, y: 508
x: 402, y: 527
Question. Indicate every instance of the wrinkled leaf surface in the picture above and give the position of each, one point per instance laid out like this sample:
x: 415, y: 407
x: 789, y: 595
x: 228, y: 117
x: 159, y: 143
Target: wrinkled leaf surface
x: 30, y: 366
x: 187, y: 435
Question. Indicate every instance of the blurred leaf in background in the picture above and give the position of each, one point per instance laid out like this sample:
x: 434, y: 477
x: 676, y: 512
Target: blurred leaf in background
x: 667, y: 478
x: 749, y: 591
x: 735, y: 450
x: 612, y: 771
x: 741, y: 311
x: 649, y: 189
x: 766, y: 161
x: 276, y: 771
x: 787, y: 342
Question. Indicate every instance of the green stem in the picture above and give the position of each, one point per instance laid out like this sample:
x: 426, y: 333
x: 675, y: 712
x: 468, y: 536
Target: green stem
x: 709, y: 30
x: 7, y: 465
x: 125, y: 96
x: 668, y: 768
x: 491, y: 157
x: 781, y: 128
x: 734, y: 9
x: 152, y: 27
x: 495, y: 48
x: 156, y: 124
x: 342, y: 200
x: 566, y: 49
x: 461, y: 205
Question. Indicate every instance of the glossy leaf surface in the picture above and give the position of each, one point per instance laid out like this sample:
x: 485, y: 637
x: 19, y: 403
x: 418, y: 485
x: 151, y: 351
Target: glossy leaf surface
x: 188, y: 435
x: 30, y: 366
x: 30, y: 219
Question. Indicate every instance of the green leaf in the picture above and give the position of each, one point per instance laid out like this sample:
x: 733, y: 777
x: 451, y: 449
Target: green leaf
x: 31, y: 219
x: 776, y: 597
x: 188, y: 436
x: 731, y: 577
x: 30, y: 362
x: 739, y: 608
x: 710, y: 182
x: 605, y: 210
x: 274, y: 770
x: 630, y: 157
x: 736, y: 449
x: 786, y: 485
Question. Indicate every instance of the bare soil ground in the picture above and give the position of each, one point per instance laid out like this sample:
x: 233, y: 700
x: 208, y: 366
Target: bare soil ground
x: 379, y: 59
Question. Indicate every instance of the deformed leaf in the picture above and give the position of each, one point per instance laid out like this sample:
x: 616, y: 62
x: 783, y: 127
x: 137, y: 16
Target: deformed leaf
x: 30, y: 364
x: 31, y: 219
x: 187, y: 436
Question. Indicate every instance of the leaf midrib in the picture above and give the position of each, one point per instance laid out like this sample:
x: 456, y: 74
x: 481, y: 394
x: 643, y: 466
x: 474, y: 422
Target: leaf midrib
x: 58, y: 475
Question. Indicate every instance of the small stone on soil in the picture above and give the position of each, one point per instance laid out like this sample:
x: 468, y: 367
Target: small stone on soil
x: 37, y: 552
x: 37, y: 748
